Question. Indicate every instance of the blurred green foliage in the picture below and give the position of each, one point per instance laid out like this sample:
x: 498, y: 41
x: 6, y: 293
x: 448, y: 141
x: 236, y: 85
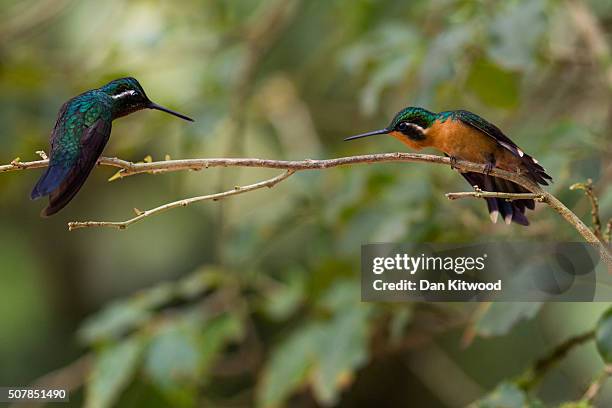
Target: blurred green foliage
x: 603, y: 336
x: 255, y: 300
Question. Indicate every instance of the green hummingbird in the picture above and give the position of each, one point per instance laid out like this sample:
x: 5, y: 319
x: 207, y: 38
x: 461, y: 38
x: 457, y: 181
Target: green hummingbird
x: 81, y: 131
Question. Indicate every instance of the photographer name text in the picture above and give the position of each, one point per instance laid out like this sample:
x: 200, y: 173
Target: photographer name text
x: 425, y: 285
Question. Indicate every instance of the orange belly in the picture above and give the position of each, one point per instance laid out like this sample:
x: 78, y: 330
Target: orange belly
x: 463, y: 142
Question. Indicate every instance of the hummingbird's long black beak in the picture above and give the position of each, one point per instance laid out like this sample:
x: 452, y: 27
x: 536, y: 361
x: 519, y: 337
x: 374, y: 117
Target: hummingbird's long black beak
x: 373, y: 133
x: 153, y: 105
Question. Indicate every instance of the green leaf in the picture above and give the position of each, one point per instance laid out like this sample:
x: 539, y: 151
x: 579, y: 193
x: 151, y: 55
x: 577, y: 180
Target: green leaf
x: 323, y: 353
x: 391, y: 73
x: 206, y: 279
x: 172, y: 361
x: 500, y: 317
x: 505, y: 395
x: 442, y: 58
x: 345, y: 343
x: 603, y: 336
x: 399, y: 321
x: 288, y: 367
x: 112, y: 322
x: 576, y: 404
x: 216, y: 334
x: 342, y: 296
x: 112, y: 370
x: 283, y: 300
x: 494, y: 85
x: 515, y: 33
x: 183, y: 350
x: 386, y: 56
x: 122, y: 316
x: 172, y: 357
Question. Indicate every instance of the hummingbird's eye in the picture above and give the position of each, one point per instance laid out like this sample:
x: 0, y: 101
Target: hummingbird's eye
x: 402, y: 126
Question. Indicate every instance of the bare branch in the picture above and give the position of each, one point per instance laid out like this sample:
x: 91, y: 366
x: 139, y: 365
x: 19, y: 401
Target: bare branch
x: 181, y: 203
x: 534, y: 375
x: 129, y: 168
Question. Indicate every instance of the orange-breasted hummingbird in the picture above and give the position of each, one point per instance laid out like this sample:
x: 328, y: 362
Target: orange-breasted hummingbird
x: 464, y: 135
x: 81, y: 131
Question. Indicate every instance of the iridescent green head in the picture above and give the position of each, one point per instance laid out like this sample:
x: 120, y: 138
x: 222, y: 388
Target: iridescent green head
x: 130, y: 97
x: 411, y: 122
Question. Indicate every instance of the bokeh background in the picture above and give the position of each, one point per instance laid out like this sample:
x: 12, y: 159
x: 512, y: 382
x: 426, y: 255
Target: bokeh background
x: 255, y: 300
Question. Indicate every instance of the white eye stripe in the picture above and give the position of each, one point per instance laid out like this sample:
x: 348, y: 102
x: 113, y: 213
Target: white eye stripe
x: 131, y: 92
x: 416, y: 127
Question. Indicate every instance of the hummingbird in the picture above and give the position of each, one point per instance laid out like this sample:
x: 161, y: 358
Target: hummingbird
x: 82, y: 129
x: 461, y: 134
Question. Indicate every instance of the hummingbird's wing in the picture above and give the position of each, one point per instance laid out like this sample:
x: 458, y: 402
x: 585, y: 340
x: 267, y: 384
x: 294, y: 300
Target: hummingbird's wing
x: 67, y: 177
x: 490, y: 129
x: 59, y: 165
x: 537, y: 172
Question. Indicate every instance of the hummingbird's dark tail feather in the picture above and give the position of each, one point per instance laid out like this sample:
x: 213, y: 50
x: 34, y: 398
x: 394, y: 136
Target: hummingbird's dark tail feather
x: 66, y: 191
x: 511, y: 211
x: 50, y: 180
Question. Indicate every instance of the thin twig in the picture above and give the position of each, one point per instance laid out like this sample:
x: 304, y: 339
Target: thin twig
x: 491, y: 194
x: 181, y: 203
x: 588, y: 191
x: 535, y: 374
x: 594, y: 388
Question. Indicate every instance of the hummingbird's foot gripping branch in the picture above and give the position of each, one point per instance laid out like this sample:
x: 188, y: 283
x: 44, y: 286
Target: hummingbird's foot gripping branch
x: 453, y: 162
